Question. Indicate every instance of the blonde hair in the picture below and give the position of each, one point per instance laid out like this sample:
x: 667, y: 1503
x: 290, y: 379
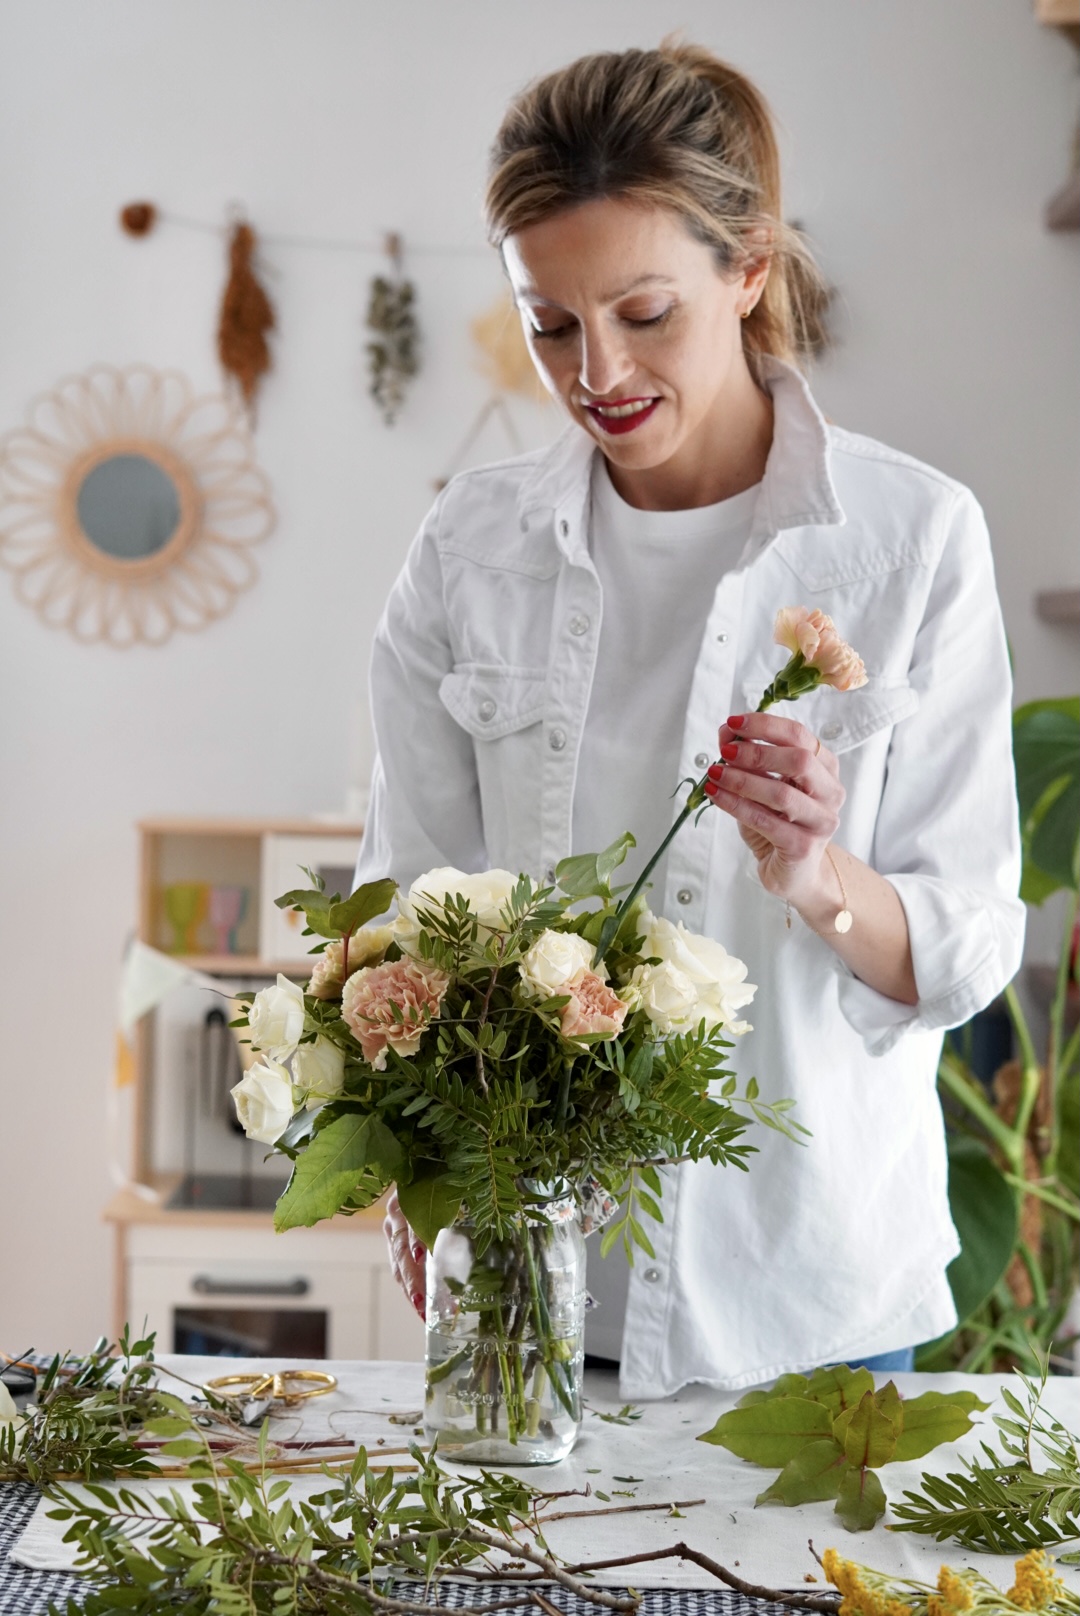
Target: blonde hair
x: 674, y: 128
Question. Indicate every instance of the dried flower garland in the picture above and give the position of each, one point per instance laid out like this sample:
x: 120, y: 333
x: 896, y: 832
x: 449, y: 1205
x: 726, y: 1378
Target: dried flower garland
x: 394, y: 354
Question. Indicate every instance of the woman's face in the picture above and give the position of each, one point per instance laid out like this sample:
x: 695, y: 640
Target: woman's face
x: 633, y: 328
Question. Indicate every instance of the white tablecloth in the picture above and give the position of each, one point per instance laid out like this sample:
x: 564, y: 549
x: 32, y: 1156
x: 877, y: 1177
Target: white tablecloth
x: 659, y: 1450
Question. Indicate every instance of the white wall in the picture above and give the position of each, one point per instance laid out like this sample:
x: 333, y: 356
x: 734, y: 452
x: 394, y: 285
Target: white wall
x: 922, y: 141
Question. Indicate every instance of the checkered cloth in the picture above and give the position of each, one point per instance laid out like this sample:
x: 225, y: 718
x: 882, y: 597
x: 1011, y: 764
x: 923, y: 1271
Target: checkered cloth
x: 23, y: 1592
x: 27, y: 1593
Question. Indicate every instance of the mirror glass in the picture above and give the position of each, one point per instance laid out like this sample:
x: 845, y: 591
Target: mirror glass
x: 128, y: 507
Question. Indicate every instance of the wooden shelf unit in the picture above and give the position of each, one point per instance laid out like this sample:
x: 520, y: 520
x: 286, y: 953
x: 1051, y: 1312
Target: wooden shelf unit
x: 1058, y: 605
x: 1063, y: 208
x: 168, y: 1260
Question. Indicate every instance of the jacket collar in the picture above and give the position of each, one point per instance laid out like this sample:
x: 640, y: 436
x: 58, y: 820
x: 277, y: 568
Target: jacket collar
x: 797, y: 489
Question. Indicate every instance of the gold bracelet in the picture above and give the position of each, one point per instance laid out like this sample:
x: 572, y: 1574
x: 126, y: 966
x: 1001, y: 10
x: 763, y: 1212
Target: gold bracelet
x: 843, y: 920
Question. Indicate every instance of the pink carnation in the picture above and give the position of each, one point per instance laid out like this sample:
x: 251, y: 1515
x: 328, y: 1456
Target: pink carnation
x: 592, y: 1007
x: 814, y: 634
x: 392, y: 1004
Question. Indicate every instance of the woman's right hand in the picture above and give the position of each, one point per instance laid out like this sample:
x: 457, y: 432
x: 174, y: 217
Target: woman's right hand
x: 407, y: 1253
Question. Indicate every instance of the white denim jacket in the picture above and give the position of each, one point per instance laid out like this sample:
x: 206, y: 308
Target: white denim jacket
x: 481, y: 675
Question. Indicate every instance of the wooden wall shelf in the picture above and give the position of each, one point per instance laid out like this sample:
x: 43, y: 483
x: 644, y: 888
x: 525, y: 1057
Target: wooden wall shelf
x: 1058, y: 605
x: 1063, y: 208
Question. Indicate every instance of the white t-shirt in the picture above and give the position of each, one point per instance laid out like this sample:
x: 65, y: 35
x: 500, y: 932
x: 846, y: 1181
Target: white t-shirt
x: 658, y: 572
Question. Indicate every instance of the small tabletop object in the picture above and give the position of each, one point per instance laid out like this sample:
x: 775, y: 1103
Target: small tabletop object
x: 287, y: 1388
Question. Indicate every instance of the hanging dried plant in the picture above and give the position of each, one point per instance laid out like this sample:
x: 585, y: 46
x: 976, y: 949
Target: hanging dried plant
x: 394, y: 355
x: 246, y: 316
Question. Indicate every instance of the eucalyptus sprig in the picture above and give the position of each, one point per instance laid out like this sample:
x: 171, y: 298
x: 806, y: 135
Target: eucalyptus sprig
x: 1005, y: 1503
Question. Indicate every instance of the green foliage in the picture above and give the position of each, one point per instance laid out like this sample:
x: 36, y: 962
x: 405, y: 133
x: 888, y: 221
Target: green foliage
x: 333, y: 917
x: 1002, y: 1503
x: 240, y: 1546
x: 352, y: 1153
x: 831, y: 1431
x: 987, y: 1218
x: 497, y: 1108
x: 1046, y: 747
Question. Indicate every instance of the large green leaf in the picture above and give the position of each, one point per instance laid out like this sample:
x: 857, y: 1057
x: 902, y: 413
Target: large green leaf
x: 860, y: 1501
x: 1046, y: 748
x: 932, y: 1418
x: 333, y: 1165
x: 373, y: 898
x: 587, y: 875
x: 839, y: 1387
x: 985, y: 1212
x: 814, y: 1473
x: 771, y: 1433
x: 870, y: 1429
x: 430, y: 1203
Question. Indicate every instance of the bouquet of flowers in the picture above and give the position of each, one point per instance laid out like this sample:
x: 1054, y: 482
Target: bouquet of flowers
x: 514, y: 1057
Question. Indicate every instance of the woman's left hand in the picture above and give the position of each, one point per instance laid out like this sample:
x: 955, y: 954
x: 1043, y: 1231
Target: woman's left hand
x: 783, y: 788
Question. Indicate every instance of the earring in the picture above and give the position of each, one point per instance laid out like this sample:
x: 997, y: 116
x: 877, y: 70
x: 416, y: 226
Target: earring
x: 746, y: 313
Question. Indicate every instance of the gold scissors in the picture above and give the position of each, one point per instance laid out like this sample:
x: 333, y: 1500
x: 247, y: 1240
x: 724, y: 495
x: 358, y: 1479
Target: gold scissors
x: 287, y: 1387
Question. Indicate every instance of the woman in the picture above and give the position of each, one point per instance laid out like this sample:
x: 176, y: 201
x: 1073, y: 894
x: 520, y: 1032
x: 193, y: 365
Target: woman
x: 575, y: 630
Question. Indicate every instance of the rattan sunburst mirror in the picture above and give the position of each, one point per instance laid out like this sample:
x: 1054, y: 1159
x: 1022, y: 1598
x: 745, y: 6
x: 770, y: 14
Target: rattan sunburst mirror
x: 129, y: 506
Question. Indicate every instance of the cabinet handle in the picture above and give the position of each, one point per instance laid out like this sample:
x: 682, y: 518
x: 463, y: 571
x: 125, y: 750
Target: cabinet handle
x: 207, y: 1285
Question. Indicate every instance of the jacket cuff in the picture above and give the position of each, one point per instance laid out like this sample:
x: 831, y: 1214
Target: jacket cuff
x: 964, y: 948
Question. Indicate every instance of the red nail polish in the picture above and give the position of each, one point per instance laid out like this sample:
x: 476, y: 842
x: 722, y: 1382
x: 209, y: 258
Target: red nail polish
x: 715, y: 771
x: 737, y: 722
x: 419, y: 1303
x: 711, y: 788
x: 730, y: 751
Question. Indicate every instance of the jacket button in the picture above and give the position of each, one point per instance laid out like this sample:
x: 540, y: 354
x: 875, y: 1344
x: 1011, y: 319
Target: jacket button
x: 487, y: 709
x: 684, y: 895
x: 831, y: 731
x: 564, y: 527
x: 652, y: 1275
x: 721, y: 639
x: 557, y: 740
x: 702, y: 760
x: 579, y: 624
x: 549, y: 875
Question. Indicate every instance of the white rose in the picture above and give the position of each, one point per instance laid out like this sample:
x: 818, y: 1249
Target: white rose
x: 667, y: 996
x: 9, y: 1414
x: 552, y: 961
x: 264, y: 1101
x: 718, y: 977
x: 276, y: 1018
x: 485, y: 895
x: 318, y: 1071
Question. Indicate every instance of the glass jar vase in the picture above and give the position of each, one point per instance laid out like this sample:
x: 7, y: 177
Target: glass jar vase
x: 505, y: 1333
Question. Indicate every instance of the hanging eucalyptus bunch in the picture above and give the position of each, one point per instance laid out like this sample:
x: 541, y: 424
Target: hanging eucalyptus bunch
x: 394, y: 354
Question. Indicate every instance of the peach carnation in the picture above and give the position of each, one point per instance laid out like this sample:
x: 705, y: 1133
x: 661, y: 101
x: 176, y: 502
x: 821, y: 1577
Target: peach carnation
x: 592, y: 1007
x: 798, y: 628
x: 391, y: 1005
x: 365, y: 946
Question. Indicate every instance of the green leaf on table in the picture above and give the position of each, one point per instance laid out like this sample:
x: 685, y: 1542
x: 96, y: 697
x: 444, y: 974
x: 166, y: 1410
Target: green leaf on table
x: 814, y: 1473
x: 588, y: 875
x: 932, y: 1418
x: 332, y: 1167
x: 772, y: 1432
x: 839, y: 1387
x: 430, y: 1202
x: 860, y: 1501
x: 371, y: 899
x: 868, y: 1432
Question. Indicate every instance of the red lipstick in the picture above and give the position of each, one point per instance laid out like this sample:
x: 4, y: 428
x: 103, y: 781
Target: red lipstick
x: 637, y: 411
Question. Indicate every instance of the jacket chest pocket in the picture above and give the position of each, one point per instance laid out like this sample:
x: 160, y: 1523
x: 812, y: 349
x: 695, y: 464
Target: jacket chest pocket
x: 844, y: 720
x: 491, y: 701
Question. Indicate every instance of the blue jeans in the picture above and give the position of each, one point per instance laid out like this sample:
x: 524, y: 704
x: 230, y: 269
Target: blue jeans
x: 902, y: 1359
